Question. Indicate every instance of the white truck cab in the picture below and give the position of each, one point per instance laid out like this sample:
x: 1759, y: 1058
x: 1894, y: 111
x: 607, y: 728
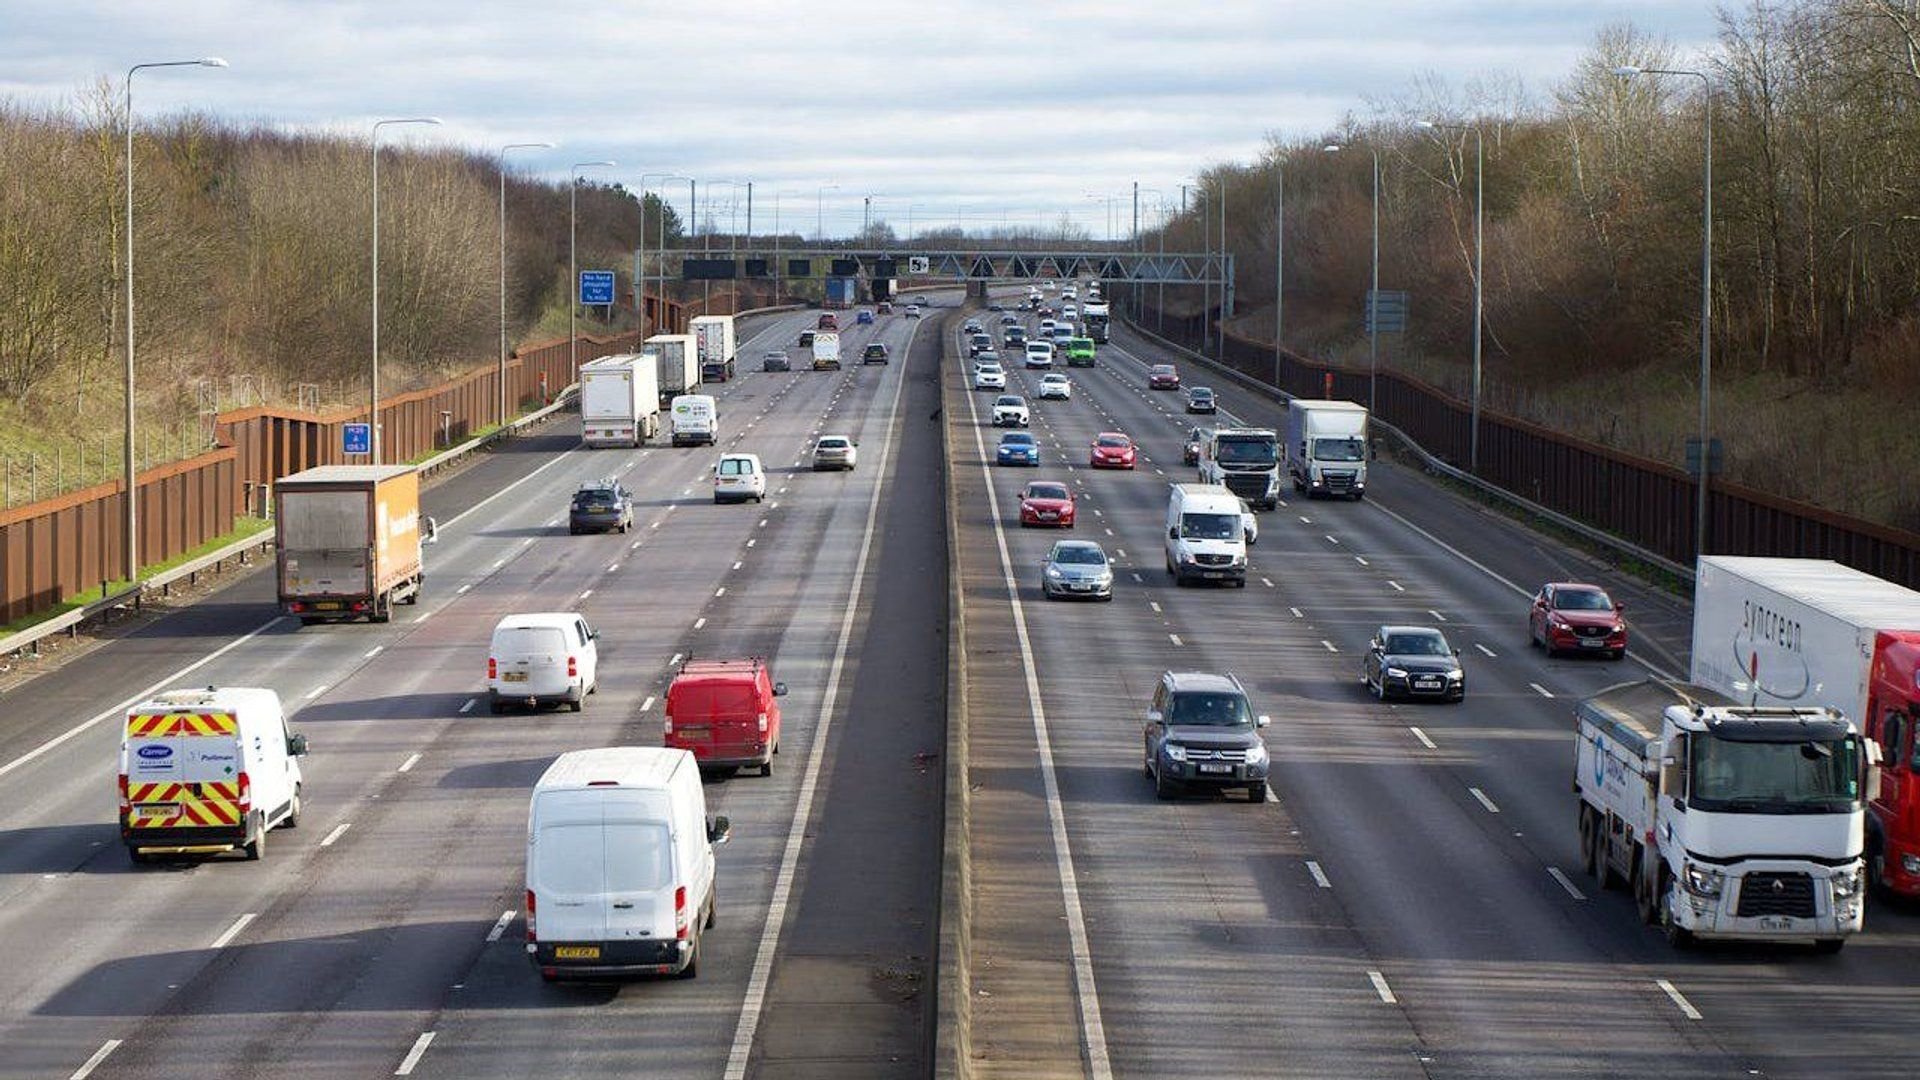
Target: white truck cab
x: 1326, y: 447
x: 207, y: 771
x: 1205, y: 536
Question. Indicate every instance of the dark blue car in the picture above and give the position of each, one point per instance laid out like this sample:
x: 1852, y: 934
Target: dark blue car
x: 1018, y: 448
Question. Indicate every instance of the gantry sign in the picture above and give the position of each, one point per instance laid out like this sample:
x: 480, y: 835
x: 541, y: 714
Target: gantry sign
x: 1140, y: 267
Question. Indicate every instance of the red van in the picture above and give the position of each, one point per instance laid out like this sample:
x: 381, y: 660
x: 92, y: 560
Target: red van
x: 724, y: 712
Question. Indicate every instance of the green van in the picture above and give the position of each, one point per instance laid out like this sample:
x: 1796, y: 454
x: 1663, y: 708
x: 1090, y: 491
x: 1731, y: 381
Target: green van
x: 1079, y: 352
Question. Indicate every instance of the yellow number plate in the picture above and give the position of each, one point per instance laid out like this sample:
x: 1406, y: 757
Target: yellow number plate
x: 576, y: 952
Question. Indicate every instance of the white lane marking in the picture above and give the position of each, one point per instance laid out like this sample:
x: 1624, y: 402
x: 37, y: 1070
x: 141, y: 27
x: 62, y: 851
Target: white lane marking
x: 552, y: 521
x: 93, y: 1062
x: 675, y: 662
x: 407, y: 765
x: 1541, y: 690
x: 774, y: 505
x: 498, y: 563
x: 613, y: 568
x: 635, y: 546
x: 1297, y: 613
x: 762, y: 972
x: 1332, y: 539
x: 413, y: 1056
x: 1305, y: 520
x: 1484, y: 649
x: 318, y: 690
x: 422, y: 617
x: 233, y: 931
x: 1422, y: 736
x: 1686, y: 1007
x: 720, y: 592
x: 1155, y: 605
x: 1397, y: 587
x: 762, y: 525
x: 738, y: 565
x: 1268, y: 582
x: 1331, y: 647
x: 686, y: 491
x: 1175, y: 638
x: 1319, y: 875
x: 119, y: 711
x: 500, y: 924
x: 463, y: 588
x: 699, y: 622
x: 654, y: 525
x: 1109, y: 531
x: 1436, y: 615
x: 586, y: 593
x: 1120, y: 551
x: 1092, y: 1027
x: 752, y: 542
x: 1572, y: 890
x: 339, y: 831
x: 647, y: 704
x: 1138, y: 578
x: 1380, y: 987
x: 468, y: 706
x: 1481, y: 797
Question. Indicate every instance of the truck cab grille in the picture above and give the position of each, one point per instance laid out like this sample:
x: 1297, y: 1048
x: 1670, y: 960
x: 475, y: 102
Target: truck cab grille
x: 1776, y: 894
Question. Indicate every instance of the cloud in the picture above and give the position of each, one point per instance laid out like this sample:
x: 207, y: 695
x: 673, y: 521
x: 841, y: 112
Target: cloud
x: 1019, y: 107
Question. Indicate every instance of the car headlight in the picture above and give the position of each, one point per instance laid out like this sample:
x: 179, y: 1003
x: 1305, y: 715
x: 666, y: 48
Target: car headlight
x: 1397, y: 673
x: 1456, y: 675
x: 1174, y: 751
x: 1257, y: 755
x: 1910, y: 863
x: 1846, y: 883
x: 1104, y: 581
x: 1704, y: 881
x: 1559, y: 623
x: 1054, y: 572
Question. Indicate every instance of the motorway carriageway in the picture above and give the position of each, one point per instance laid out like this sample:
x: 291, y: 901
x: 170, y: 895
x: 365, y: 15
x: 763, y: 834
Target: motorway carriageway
x: 1412, y: 904
x: 385, y: 934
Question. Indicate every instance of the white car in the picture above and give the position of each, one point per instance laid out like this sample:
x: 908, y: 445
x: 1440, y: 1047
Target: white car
x: 989, y: 377
x: 1039, y: 354
x: 1069, y: 311
x: 1046, y: 327
x: 1055, y: 385
x: 1069, y: 293
x: 739, y: 477
x: 835, y: 452
x: 1010, y: 410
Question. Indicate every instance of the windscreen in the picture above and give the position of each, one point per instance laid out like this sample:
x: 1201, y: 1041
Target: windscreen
x: 1581, y: 600
x: 639, y: 856
x: 1812, y: 777
x: 1210, y: 526
x: 1247, y: 451
x: 1208, y: 710
x: 1417, y: 645
x: 1080, y: 556
x: 1047, y: 491
x: 1349, y: 449
x: 1117, y: 441
x: 1022, y: 439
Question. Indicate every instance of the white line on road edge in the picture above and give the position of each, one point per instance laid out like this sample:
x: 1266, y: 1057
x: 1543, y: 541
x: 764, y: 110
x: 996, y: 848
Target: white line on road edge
x: 1484, y: 649
x: 233, y: 931
x: 1541, y: 690
x: 809, y: 782
x: 1319, y: 875
x: 1422, y: 736
x: 1484, y: 801
x: 318, y: 690
x: 468, y: 706
x: 1380, y: 987
x: 586, y: 593
x: 407, y: 765
x: 1572, y: 890
x: 719, y: 592
x: 699, y: 622
x: 1093, y: 1030
x: 1686, y: 1007
x: 1175, y: 638
x: 373, y: 652
x: 500, y: 924
x: 338, y: 831
x: 413, y: 1056
x: 1397, y: 587
x: 675, y: 662
x: 464, y: 588
x: 738, y: 565
x: 93, y: 1062
x: 1331, y: 647
x: 119, y: 711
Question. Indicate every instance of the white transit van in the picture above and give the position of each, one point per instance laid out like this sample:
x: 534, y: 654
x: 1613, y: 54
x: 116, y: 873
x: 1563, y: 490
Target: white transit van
x: 542, y: 658
x: 695, y: 419
x: 1205, y: 537
x: 206, y: 771
x: 620, y: 864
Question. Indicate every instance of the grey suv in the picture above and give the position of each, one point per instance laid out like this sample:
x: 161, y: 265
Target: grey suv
x: 600, y: 505
x: 1202, y: 732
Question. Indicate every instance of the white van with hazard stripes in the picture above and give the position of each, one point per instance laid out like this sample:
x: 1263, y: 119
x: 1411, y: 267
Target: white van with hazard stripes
x: 207, y: 771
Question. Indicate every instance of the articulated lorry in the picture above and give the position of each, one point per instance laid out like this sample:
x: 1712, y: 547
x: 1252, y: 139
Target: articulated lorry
x: 619, y: 400
x: 713, y: 341
x: 1327, y: 447
x: 1246, y: 461
x: 678, y: 360
x: 347, y: 541
x: 1725, y: 821
x: 1809, y: 632
x: 842, y: 292
x: 1095, y: 316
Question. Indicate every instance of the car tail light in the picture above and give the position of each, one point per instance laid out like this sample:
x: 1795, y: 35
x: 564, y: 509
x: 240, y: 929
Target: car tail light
x: 297, y: 606
x: 763, y: 723
x: 359, y: 605
x: 680, y: 921
x: 493, y: 667
x: 246, y: 794
x: 126, y: 800
x: 573, y: 667
x: 669, y: 725
x: 531, y: 936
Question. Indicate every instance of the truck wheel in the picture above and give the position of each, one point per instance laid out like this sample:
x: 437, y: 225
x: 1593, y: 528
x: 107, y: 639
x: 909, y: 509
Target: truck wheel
x: 1643, y: 895
x: 1590, y: 858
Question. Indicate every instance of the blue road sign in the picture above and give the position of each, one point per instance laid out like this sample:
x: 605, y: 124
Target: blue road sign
x: 596, y: 286
x: 356, y: 438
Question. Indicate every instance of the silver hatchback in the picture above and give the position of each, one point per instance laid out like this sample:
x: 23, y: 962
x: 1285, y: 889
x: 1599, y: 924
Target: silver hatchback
x: 1077, y: 568
x: 834, y: 452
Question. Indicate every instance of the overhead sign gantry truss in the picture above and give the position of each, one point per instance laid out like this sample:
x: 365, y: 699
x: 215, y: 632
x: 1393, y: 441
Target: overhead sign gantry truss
x: 1140, y: 267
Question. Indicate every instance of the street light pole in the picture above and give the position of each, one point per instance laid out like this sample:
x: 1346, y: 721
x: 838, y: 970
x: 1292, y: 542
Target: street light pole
x: 573, y: 264
x: 1706, y: 293
x: 1479, y: 277
x: 1373, y: 290
x: 500, y: 412
x: 130, y: 495
x: 373, y: 378
x: 819, y: 216
x: 1279, y: 261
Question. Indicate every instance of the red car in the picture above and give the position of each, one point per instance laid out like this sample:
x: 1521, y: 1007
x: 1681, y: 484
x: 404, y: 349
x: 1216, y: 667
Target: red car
x: 1163, y: 377
x: 827, y: 321
x: 1112, y: 450
x: 1046, y: 502
x: 1577, y: 618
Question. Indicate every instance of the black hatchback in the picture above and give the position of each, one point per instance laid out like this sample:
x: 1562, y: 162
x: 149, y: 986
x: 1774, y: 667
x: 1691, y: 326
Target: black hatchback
x: 601, y: 506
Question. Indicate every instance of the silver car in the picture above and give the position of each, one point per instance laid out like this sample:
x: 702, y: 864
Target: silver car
x: 834, y: 452
x: 1077, y: 568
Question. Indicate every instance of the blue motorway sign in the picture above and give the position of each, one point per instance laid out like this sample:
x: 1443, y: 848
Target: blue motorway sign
x: 356, y: 438
x: 596, y: 286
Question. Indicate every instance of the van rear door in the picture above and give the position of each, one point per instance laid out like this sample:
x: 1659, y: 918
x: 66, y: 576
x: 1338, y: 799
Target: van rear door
x: 640, y: 879
x: 717, y: 719
x: 532, y: 660
x: 567, y: 874
x: 184, y: 770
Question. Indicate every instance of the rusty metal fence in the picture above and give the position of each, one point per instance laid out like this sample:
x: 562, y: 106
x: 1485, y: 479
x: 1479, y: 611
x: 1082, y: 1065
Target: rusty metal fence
x: 1645, y: 502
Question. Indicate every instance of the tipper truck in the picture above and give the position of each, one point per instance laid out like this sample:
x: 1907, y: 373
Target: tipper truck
x: 619, y: 400
x: 1814, y: 632
x: 1327, y: 447
x: 347, y: 541
x: 1246, y: 461
x: 678, y: 360
x: 714, y: 342
x: 1725, y: 821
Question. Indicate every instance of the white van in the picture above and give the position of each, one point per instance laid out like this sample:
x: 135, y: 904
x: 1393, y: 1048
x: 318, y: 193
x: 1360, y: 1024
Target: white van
x: 620, y: 864
x: 1205, y: 538
x: 739, y: 477
x: 207, y: 771
x: 542, y: 658
x: 695, y: 419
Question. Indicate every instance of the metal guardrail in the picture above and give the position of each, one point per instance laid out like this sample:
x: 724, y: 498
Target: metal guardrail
x: 1434, y: 464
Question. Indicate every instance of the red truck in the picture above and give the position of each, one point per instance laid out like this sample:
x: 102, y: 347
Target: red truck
x: 725, y: 713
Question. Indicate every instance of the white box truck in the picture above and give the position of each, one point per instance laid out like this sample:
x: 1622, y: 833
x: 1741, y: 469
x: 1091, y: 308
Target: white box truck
x: 620, y: 868
x: 713, y: 341
x: 619, y: 400
x: 1815, y: 632
x: 826, y: 351
x: 694, y: 419
x: 1246, y: 461
x: 678, y: 362
x: 1327, y: 447
x: 1725, y: 821
x: 207, y: 771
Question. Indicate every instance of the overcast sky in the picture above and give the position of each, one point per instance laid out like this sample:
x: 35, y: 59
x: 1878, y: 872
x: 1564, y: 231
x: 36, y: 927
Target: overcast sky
x: 982, y: 110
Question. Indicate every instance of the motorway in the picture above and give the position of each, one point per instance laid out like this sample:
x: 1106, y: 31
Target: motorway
x: 1412, y: 901
x: 384, y: 935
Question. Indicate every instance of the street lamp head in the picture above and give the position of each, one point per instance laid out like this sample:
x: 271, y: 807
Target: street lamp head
x: 1428, y: 124
x: 1626, y: 70
x: 212, y: 61
x: 593, y: 164
x: 1333, y: 148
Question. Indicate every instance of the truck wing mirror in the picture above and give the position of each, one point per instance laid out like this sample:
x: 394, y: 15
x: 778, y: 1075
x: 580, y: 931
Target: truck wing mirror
x: 779, y: 689
x: 1173, y: 532
x: 297, y: 745
x: 1872, y: 784
x: 433, y: 531
x: 719, y: 830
